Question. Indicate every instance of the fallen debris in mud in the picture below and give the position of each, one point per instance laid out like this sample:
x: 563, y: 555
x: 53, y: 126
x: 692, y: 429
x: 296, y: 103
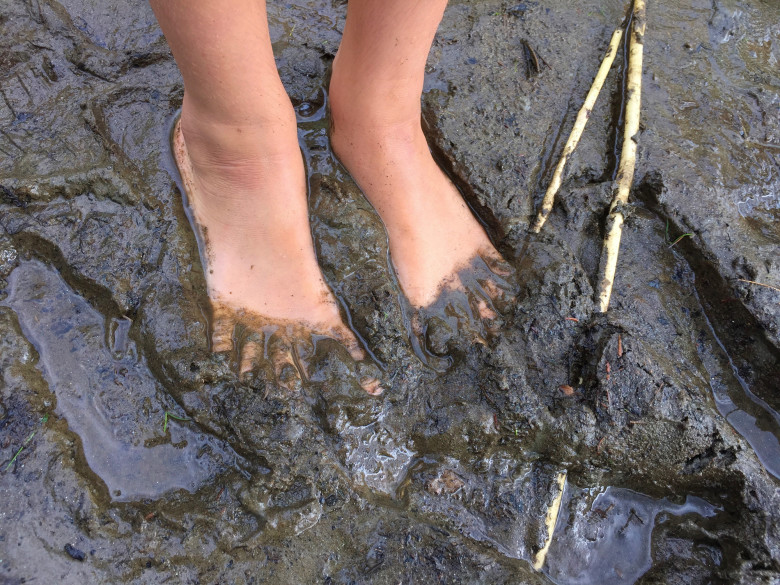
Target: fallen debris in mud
x: 760, y: 284
x: 74, y: 553
x: 550, y: 520
x: 576, y: 133
x: 625, y: 172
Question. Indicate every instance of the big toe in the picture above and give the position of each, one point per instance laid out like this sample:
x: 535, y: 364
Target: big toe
x: 368, y: 373
x: 369, y: 377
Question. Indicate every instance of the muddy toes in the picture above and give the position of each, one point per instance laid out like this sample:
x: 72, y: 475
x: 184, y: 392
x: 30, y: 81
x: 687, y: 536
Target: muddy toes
x: 484, y: 310
x: 468, y: 308
x: 469, y: 313
x: 303, y: 352
x: 438, y: 335
x: 369, y: 377
x: 334, y: 367
x: 367, y: 373
x: 281, y: 355
x: 251, y: 353
x: 496, y: 264
x: 286, y: 352
x: 347, y: 338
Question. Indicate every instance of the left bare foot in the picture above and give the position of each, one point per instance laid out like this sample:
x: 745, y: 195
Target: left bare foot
x: 437, y: 246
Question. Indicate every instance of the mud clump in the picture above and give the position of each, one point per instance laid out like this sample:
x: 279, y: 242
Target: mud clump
x: 131, y: 454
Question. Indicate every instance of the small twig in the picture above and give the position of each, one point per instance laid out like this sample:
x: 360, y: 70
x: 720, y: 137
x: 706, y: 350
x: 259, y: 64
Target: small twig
x: 533, y: 65
x: 576, y: 132
x: 759, y: 284
x: 550, y: 520
x: 625, y: 176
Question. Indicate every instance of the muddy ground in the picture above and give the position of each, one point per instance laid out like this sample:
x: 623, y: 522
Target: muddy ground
x: 144, y: 459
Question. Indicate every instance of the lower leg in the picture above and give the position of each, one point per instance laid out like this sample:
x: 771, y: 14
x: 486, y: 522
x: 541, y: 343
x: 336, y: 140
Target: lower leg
x: 375, y: 96
x: 239, y: 155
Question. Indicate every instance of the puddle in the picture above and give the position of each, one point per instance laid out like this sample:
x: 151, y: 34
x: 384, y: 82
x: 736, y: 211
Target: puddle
x: 742, y: 394
x: 605, y: 537
x: 107, y: 395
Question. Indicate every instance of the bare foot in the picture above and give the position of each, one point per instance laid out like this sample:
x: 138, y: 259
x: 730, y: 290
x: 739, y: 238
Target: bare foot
x: 440, y: 252
x: 246, y: 198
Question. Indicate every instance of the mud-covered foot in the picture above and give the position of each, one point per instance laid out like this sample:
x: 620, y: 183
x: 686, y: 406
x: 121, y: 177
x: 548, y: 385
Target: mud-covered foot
x: 442, y: 256
x: 246, y: 199
x: 470, y: 312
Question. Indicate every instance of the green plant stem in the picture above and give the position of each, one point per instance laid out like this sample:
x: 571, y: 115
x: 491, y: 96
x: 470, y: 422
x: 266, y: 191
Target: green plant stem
x: 170, y: 415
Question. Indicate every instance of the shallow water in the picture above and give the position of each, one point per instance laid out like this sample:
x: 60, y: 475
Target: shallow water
x: 107, y: 395
x: 604, y: 536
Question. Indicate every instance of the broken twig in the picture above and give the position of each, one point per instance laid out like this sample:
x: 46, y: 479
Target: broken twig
x: 576, y: 132
x: 625, y: 176
x: 759, y: 284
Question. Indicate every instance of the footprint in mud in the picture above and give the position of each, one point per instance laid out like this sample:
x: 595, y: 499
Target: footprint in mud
x: 107, y: 395
x: 467, y: 311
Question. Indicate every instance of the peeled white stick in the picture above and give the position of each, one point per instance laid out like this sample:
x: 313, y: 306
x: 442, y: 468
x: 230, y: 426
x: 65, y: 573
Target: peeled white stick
x: 576, y: 132
x: 550, y: 520
x: 625, y: 176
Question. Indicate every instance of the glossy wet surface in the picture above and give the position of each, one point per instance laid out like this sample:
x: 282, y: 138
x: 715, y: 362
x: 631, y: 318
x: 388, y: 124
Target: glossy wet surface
x: 107, y: 394
x: 563, y: 447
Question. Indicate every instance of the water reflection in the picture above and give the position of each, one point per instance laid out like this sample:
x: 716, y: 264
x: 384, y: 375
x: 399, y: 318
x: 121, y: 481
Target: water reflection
x: 107, y: 395
x: 605, y: 537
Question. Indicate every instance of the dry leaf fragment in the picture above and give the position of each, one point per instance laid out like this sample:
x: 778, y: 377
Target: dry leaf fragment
x: 447, y: 483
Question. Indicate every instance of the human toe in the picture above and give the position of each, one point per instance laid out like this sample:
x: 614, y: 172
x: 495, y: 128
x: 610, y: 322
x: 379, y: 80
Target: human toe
x: 281, y: 356
x: 223, y: 324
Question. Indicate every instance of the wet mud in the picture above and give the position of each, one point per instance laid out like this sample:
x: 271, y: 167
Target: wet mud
x: 567, y: 447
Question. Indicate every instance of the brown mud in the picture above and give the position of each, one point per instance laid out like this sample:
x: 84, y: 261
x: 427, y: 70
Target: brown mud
x: 144, y: 459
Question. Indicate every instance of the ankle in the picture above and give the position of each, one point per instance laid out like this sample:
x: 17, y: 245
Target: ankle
x: 219, y: 141
x: 233, y: 173
x: 376, y: 130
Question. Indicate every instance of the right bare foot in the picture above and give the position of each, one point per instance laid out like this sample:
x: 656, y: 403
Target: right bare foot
x: 246, y: 191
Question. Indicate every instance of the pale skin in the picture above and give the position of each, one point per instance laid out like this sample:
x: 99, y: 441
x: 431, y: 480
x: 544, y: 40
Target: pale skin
x: 238, y: 154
